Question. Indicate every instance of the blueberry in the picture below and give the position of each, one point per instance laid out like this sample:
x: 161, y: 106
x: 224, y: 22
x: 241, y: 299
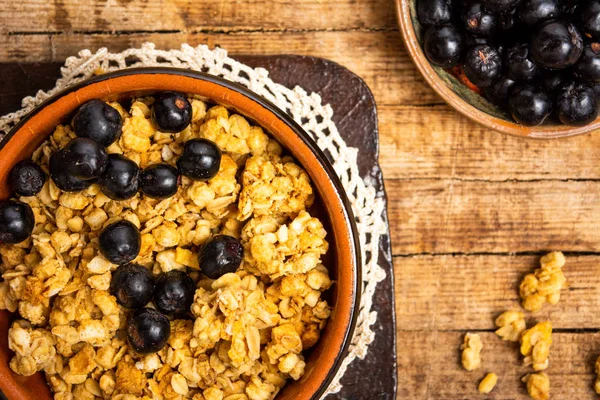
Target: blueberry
x: 576, y: 104
x: 434, y: 12
x: 171, y: 112
x: 148, y: 330
x: 500, y: 6
x: 221, y: 255
x: 200, y: 159
x: 483, y: 65
x: 84, y: 158
x: 472, y: 40
x: 98, y: 121
x: 552, y: 81
x: 596, y: 87
x: 159, y: 181
x: 507, y: 21
x: 568, y: 7
x: 443, y: 45
x: 16, y: 222
x: 556, y: 44
x: 529, y: 105
x: 62, y: 178
x: 589, y: 13
x: 532, y: 12
x: 519, y: 65
x: 587, y: 68
x: 499, y: 92
x: 120, y: 179
x: 478, y: 21
x: 120, y: 242
x: 132, y: 285
x: 26, y: 178
x: 174, y: 293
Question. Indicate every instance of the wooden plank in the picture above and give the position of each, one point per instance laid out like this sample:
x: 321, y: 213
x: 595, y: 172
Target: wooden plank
x: 469, y: 292
x: 377, y: 57
x: 429, y: 367
x: 438, y: 142
x: 188, y: 15
x: 453, y: 216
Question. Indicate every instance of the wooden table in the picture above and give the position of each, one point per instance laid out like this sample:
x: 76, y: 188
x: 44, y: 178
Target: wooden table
x: 470, y: 210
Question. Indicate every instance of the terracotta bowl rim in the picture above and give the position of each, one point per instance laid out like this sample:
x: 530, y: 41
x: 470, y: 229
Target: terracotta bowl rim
x: 413, y: 46
x: 323, y: 162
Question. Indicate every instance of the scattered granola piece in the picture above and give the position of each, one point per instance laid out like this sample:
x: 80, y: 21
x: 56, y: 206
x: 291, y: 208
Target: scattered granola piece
x: 471, y: 351
x: 544, y: 284
x: 538, y: 385
x: 511, y: 325
x: 535, y: 345
x: 488, y: 383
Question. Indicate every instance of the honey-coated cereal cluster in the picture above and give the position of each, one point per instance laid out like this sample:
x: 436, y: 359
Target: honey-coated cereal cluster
x: 544, y: 285
x: 247, y: 330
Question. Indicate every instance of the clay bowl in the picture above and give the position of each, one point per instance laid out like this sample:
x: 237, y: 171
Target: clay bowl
x: 463, y: 99
x: 343, y: 257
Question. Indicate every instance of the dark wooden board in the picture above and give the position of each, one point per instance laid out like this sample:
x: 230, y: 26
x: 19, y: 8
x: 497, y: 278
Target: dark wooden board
x: 356, y: 118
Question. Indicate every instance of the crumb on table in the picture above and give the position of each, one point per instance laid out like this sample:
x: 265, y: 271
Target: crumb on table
x: 471, y: 351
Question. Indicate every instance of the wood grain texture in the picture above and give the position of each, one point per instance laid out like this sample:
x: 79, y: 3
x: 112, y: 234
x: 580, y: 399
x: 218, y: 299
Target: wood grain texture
x: 436, y: 142
x: 460, y: 293
x: 454, y: 187
x: 454, y: 216
x: 431, y: 369
x: 190, y: 16
x: 377, y: 57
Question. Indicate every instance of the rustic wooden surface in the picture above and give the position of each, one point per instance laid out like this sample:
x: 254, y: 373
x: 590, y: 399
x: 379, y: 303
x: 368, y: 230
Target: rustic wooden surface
x: 470, y: 210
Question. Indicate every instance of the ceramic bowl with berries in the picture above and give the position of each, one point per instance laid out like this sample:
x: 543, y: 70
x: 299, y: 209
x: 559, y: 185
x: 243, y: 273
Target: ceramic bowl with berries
x: 524, y: 67
x: 168, y: 234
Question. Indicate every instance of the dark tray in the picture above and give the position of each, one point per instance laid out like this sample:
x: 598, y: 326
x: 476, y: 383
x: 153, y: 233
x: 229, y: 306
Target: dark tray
x: 355, y: 115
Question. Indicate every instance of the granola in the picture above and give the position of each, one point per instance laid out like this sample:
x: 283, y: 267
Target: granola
x: 488, y: 383
x: 535, y: 345
x: 249, y: 328
x: 471, y: 352
x: 511, y: 325
x: 538, y: 385
x: 544, y: 284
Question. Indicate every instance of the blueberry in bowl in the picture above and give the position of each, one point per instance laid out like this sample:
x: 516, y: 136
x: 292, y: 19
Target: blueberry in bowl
x: 98, y: 121
x: 444, y: 45
x: 476, y: 20
x: 26, y: 178
x: 538, y: 45
x: 120, y: 179
x: 16, y: 222
x: 120, y: 242
x: 159, y: 181
x: 132, y: 285
x: 174, y: 293
x: 148, y: 330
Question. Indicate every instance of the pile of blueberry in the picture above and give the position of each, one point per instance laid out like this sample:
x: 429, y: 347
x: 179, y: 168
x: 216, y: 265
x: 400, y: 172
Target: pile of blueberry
x: 84, y: 161
x: 172, y: 293
x: 531, y: 58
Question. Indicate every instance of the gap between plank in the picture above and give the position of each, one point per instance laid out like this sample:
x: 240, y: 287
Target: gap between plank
x: 508, y: 180
x: 231, y: 31
x: 517, y: 254
x: 571, y: 331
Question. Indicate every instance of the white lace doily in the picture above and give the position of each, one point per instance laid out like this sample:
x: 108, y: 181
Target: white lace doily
x: 306, y: 109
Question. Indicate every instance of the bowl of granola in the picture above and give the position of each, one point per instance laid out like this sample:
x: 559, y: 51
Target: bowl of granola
x: 168, y: 234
